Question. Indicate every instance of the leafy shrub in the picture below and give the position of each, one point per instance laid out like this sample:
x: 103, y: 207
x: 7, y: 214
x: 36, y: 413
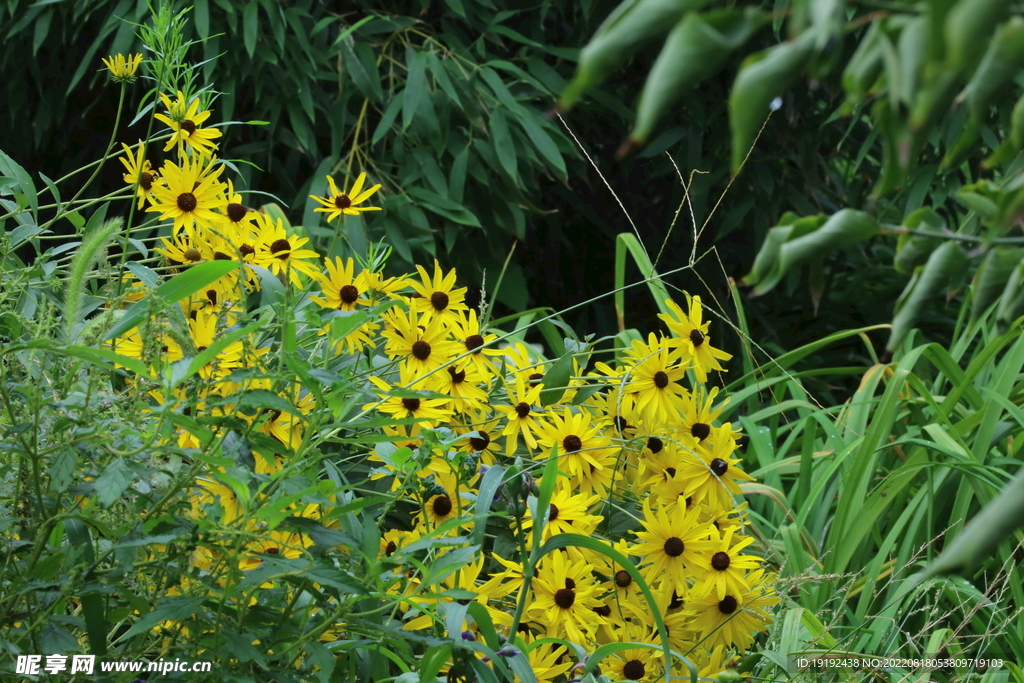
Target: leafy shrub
x: 218, y: 450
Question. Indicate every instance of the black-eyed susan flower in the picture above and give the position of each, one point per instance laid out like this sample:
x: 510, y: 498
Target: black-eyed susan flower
x: 716, y: 481
x: 691, y: 335
x: 656, y: 379
x: 548, y: 661
x: 733, y: 620
x: 429, y: 410
x: 422, y: 345
x: 465, y: 328
x: 672, y: 545
x: 634, y: 665
x: 566, y: 594
x: 139, y: 171
x: 342, y: 289
x: 438, y: 297
x: 699, y: 413
x: 723, y: 569
x: 191, y: 194
x: 239, y: 217
x: 346, y: 203
x: 521, y: 416
x: 279, y: 252
x: 579, y: 441
x: 184, y: 119
x: 123, y: 69
x: 568, y: 513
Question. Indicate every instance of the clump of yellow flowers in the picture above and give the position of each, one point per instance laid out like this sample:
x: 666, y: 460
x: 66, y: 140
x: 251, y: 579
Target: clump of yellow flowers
x: 641, y: 435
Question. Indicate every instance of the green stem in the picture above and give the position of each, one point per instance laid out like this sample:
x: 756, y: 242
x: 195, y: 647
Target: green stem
x: 110, y: 146
x: 901, y: 230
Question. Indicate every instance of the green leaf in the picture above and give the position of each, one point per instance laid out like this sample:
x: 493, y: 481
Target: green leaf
x: 944, y: 266
x: 1011, y: 302
x: 388, y: 118
x: 250, y: 26
x: 445, y: 207
x: 1003, y: 60
x: 168, y: 608
x: 112, y: 483
x: 969, y: 27
x: 763, y: 76
x: 842, y: 229
x: 544, y: 144
x: 983, y: 534
x: 174, y: 290
x: 556, y: 380
x: 992, y: 276
x: 415, y: 85
x: 628, y: 27
x: 9, y: 168
x: 201, y: 15
x: 694, y: 50
x: 503, y: 144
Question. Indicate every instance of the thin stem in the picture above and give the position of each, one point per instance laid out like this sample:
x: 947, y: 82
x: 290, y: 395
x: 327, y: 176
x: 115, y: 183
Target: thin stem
x: 106, y: 152
x: 948, y: 235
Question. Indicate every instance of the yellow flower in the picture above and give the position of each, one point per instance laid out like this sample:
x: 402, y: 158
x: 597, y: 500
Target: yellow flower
x: 692, y: 337
x: 191, y: 194
x: 346, y: 202
x: 674, y: 544
x: 437, y: 297
x: 139, y: 171
x: 123, y: 69
x: 279, y: 252
x: 185, y: 121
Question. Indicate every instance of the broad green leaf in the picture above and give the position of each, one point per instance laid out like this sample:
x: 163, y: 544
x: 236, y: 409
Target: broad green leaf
x: 174, y: 290
x: 415, y: 85
x: 992, y: 276
x: 763, y: 77
x: 944, y: 266
x: 250, y: 26
x: 111, y: 484
x: 694, y: 50
x: 504, y: 146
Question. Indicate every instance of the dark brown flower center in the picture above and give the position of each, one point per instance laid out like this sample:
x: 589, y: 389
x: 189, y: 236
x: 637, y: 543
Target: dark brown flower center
x: 564, y: 597
x: 700, y: 430
x: 189, y: 126
x: 676, y: 601
x: 187, y: 202
x: 522, y: 410
x: 390, y: 548
x: 221, y: 256
x: 620, y: 423
x: 246, y: 250
x: 458, y: 377
x: 570, y: 584
x: 572, y: 443
x: 421, y: 350
x: 282, y: 248
x: 535, y: 378
x: 146, y: 180
x: 349, y: 294
x: 655, y: 444
x: 696, y: 337
x: 603, y: 611
x: 211, y: 296
x: 720, y: 561
x: 670, y: 472
x: 553, y: 513
x: 273, y: 551
x: 623, y: 579
x: 439, y: 300
x: 719, y: 466
x: 192, y: 254
x: 674, y: 547
x: 474, y: 342
x: 342, y: 201
x: 660, y: 379
x: 442, y: 506
x: 727, y: 605
x: 481, y: 442
x: 236, y: 212
x: 633, y: 670
x: 411, y: 404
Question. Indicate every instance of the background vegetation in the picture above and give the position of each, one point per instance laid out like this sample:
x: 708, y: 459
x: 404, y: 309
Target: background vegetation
x: 907, y: 113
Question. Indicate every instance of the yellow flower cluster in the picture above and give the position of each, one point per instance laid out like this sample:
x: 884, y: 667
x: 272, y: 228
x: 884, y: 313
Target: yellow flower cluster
x: 634, y: 439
